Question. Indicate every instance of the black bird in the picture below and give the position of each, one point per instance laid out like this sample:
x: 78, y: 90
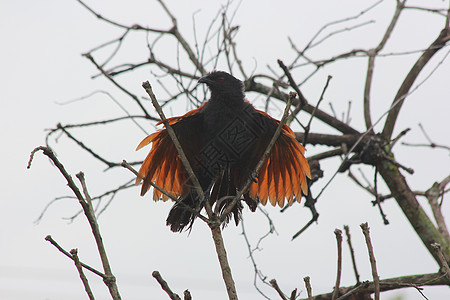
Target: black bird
x: 224, y: 139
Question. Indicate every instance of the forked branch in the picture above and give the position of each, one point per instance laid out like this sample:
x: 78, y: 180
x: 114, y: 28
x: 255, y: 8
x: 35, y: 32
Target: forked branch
x: 86, y: 204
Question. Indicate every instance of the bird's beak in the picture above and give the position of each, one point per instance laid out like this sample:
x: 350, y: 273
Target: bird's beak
x: 205, y: 79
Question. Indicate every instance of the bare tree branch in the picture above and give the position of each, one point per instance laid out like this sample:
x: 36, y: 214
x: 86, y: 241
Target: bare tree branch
x: 274, y: 284
x: 412, y: 281
x: 134, y: 97
x: 86, y: 204
x: 417, y: 217
x: 134, y: 27
x: 165, y: 286
x: 109, y: 279
x: 373, y: 264
x: 433, y: 194
x: 338, y: 234
x: 74, y: 253
x: 442, y: 262
x: 404, y: 89
x: 253, y: 86
x: 308, y: 287
x: 87, y: 267
x: 371, y: 63
x: 352, y: 253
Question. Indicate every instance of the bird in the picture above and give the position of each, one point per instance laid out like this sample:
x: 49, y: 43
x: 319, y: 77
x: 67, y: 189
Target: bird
x: 223, y: 140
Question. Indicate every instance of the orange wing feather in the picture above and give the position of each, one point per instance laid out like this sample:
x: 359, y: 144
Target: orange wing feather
x: 162, y: 165
x: 283, y: 175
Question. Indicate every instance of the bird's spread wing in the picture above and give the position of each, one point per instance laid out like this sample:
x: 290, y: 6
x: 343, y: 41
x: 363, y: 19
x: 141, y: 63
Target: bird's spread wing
x: 162, y: 165
x: 283, y: 174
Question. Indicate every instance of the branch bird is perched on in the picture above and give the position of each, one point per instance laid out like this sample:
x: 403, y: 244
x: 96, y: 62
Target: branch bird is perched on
x: 224, y: 139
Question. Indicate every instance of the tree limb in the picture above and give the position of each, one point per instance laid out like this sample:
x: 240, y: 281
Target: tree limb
x: 404, y: 89
x: 390, y: 284
x: 417, y: 217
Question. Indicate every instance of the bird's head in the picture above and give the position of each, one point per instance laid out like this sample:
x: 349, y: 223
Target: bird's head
x: 223, y: 85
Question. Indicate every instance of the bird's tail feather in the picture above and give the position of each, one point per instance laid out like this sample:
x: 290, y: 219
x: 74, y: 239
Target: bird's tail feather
x: 223, y: 193
x: 182, y: 214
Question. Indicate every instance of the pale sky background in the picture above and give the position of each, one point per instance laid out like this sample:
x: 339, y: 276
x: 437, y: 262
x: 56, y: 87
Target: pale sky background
x: 41, y: 66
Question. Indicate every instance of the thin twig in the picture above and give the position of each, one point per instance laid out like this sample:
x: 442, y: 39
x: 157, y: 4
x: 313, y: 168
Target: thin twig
x: 411, y: 77
x: 258, y: 272
x: 431, y: 143
x: 310, y: 43
x: 352, y: 253
x: 377, y: 197
x: 326, y: 154
x: 371, y: 63
x: 443, y: 263
x: 292, y: 83
x: 293, y: 294
x: 133, y: 27
x: 373, y: 264
x: 313, y: 113
x: 134, y: 97
x: 126, y: 165
x: 83, y: 146
x: 174, y: 31
x: 252, y: 86
x: 87, y: 288
x: 432, y: 195
x: 165, y: 286
x: 367, y: 88
x: 117, y: 102
x: 50, y: 154
x: 274, y: 284
x: 439, y: 11
x: 102, y: 122
x: 310, y: 222
x: 308, y: 287
x: 109, y: 279
x: 87, y: 267
x: 187, y: 295
x: 338, y: 234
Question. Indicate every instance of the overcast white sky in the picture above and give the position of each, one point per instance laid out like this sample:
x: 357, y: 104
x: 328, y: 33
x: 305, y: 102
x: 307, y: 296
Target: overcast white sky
x: 41, y: 65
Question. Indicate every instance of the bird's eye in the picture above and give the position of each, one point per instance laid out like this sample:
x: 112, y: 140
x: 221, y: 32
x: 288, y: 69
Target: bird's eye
x: 221, y: 79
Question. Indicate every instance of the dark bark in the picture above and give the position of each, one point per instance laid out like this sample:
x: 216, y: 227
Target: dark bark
x: 417, y: 217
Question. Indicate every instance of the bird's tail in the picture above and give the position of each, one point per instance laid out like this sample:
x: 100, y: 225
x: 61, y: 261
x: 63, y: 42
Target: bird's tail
x: 183, y: 213
x: 222, y: 190
x: 223, y: 194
